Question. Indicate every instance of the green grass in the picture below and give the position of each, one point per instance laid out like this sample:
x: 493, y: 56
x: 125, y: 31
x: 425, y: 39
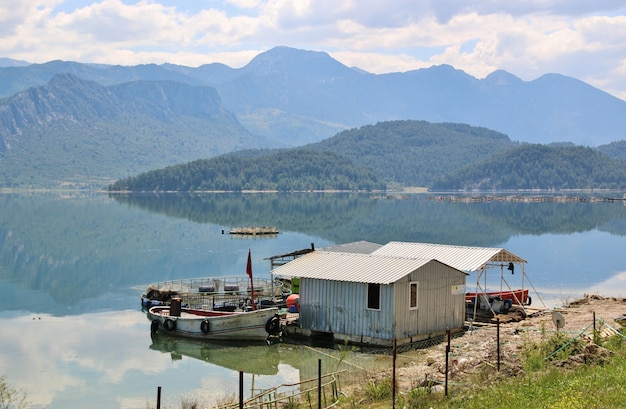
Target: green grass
x: 590, y: 385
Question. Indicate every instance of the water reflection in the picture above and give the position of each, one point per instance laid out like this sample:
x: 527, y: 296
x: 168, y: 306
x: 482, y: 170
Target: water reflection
x: 57, y: 361
x: 72, y: 270
x: 258, y: 359
x: 108, y: 359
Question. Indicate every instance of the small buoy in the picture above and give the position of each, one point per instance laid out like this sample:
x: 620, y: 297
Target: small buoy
x: 293, y: 301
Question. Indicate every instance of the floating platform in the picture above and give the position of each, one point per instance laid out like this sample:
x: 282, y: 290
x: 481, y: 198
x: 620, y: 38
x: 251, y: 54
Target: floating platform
x: 254, y: 231
x: 525, y: 198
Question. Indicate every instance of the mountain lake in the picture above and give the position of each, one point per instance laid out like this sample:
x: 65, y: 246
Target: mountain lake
x: 73, y: 266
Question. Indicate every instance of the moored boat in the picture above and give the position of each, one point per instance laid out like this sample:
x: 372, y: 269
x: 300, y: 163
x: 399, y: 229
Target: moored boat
x: 255, y: 325
x: 214, y: 293
x: 517, y: 297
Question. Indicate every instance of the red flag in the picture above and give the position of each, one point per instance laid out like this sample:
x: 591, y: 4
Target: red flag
x: 249, y: 272
x: 249, y: 266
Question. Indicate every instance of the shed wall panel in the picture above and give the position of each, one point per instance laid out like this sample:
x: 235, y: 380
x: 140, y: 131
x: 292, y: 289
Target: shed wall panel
x: 438, y: 307
x: 341, y: 307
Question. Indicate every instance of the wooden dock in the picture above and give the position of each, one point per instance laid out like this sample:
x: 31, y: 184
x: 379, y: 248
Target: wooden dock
x: 254, y: 231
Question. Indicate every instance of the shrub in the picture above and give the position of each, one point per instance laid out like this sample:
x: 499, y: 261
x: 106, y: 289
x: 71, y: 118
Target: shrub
x: 378, y: 389
x: 560, y: 346
x: 11, y: 398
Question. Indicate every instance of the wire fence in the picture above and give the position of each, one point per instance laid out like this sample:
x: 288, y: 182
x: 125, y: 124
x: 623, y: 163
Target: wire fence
x: 446, y: 358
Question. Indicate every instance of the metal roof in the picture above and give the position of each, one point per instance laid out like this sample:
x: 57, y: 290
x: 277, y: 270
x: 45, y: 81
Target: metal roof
x: 352, y: 267
x: 362, y: 247
x: 460, y: 257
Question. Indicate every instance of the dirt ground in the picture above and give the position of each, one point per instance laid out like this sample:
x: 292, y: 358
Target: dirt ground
x: 477, y: 348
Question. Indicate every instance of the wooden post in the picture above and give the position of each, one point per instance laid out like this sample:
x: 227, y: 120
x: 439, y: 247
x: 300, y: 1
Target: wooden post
x: 595, y: 336
x: 158, y: 398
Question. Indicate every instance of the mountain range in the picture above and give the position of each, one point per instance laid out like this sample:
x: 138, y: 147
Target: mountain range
x: 62, y: 121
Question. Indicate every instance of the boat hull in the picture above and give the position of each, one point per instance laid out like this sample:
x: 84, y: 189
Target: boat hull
x: 517, y: 297
x: 214, y: 325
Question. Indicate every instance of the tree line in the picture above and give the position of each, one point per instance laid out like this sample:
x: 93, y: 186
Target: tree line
x: 539, y: 167
x: 289, y: 170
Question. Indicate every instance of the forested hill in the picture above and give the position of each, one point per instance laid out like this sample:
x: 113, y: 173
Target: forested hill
x: 413, y: 153
x: 539, y: 167
x: 615, y: 150
x: 442, y: 156
x: 289, y: 170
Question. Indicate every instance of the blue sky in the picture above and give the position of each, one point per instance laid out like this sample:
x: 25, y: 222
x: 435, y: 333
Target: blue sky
x: 579, y: 38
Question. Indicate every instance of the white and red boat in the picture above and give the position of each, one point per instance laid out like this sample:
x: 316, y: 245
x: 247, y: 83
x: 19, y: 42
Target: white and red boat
x: 255, y: 325
x: 517, y: 297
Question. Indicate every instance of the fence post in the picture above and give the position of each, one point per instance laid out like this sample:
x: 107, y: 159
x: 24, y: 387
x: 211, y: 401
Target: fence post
x: 447, y: 361
x: 498, y: 341
x: 319, y: 383
x: 393, y: 376
x: 240, y: 389
x: 595, y: 335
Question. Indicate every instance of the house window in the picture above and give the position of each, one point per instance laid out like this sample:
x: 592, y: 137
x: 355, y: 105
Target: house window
x: 413, y: 295
x: 373, y: 296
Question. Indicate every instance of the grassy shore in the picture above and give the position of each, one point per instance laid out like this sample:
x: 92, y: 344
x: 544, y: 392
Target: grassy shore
x: 579, y: 376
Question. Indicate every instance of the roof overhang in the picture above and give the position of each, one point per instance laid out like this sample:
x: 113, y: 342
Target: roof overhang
x: 352, y: 267
x: 460, y: 257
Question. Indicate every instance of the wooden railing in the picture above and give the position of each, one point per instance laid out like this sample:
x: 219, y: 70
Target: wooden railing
x: 323, y: 391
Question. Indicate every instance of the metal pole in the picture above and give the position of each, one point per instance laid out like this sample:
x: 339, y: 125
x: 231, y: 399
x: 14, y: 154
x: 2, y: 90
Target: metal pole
x: 498, y: 341
x: 240, y: 389
x: 447, y: 361
x: 595, y: 337
x: 319, y: 384
x: 158, y: 398
x: 393, y: 376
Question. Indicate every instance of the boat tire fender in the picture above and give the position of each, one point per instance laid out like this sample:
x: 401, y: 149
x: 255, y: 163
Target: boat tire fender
x: 205, y: 327
x: 272, y: 326
x: 169, y: 325
x: 154, y: 326
x: 529, y: 301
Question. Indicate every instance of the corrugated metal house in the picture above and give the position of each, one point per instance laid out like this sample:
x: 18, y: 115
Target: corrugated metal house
x: 376, y: 299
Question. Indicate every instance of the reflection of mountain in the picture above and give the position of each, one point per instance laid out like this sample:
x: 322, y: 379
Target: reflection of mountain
x: 302, y: 212
x: 338, y: 217
x: 252, y: 359
x: 476, y: 224
x: 550, y: 217
x: 84, y: 247
x: 349, y: 217
x: 76, y: 251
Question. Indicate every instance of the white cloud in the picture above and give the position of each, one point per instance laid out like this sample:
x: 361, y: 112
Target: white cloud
x: 45, y: 345
x: 583, y: 39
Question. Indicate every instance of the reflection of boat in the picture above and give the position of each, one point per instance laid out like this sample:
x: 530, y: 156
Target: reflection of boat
x: 214, y: 293
x: 517, y: 297
x: 253, y: 359
x: 255, y: 325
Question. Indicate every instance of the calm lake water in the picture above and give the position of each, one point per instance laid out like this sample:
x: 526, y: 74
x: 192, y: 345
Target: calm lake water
x: 72, y: 267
